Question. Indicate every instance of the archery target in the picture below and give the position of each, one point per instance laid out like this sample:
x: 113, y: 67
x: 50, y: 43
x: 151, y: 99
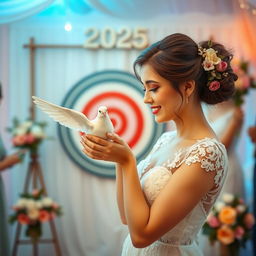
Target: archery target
x: 123, y: 95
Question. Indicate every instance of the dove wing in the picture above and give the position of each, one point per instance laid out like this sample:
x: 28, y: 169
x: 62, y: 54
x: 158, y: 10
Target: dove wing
x: 68, y: 117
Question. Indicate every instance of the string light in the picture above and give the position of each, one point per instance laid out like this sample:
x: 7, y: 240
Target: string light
x: 68, y: 26
x: 246, y: 5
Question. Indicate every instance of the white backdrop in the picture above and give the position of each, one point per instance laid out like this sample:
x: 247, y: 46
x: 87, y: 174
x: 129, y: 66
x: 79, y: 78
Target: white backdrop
x: 90, y: 225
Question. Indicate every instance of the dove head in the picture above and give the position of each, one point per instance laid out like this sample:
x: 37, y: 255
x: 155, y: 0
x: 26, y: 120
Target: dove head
x: 102, y: 111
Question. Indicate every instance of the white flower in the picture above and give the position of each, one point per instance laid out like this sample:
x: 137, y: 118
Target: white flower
x: 211, y: 56
x: 21, y: 203
x: 30, y: 204
x: 208, y: 65
x: 37, y: 131
x: 26, y: 124
x: 47, y: 202
x: 219, y: 205
x: 228, y: 198
x: 20, y: 131
x: 241, y: 208
x: 39, y: 204
x: 33, y: 214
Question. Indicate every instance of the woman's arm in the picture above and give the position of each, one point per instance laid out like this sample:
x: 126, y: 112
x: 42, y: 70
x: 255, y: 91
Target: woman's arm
x: 9, y: 161
x: 119, y: 193
x: 232, y: 128
x: 180, y: 195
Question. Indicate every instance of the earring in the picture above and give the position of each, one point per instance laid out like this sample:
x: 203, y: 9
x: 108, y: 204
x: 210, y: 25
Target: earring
x: 187, y: 100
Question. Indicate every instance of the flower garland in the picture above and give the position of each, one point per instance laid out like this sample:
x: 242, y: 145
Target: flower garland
x: 214, y: 66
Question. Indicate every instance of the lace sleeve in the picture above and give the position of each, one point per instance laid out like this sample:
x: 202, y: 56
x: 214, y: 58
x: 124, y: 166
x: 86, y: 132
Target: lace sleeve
x: 211, y: 154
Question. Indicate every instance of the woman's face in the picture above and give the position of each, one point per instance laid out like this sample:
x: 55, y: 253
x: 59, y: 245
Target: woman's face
x: 164, y: 100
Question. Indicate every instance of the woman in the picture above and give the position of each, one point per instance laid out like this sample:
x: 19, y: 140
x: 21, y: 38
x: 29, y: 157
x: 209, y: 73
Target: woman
x: 5, y: 163
x: 166, y: 198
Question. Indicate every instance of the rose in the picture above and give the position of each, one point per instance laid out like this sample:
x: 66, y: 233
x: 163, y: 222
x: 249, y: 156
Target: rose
x: 214, y: 86
x: 33, y: 214
x: 211, y: 56
x: 228, y: 198
x: 213, y: 221
x: 30, y: 138
x: 44, y: 216
x: 208, y: 65
x: 19, y: 140
x: 239, y: 232
x: 23, y: 219
x: 222, y: 66
x: 225, y: 235
x: 249, y: 220
x: 227, y: 215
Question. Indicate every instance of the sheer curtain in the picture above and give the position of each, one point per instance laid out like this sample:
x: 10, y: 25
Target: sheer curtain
x: 14, y: 10
x: 90, y: 224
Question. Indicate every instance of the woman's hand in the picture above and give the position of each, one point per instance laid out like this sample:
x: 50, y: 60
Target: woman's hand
x: 113, y: 150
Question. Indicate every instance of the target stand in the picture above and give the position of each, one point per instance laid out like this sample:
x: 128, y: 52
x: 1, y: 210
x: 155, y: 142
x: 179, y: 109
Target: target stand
x: 35, y: 175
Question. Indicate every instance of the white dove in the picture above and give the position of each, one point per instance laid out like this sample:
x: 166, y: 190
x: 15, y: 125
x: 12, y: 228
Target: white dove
x: 76, y: 120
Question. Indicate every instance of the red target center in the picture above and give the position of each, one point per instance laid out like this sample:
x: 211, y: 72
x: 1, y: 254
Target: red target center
x: 122, y: 119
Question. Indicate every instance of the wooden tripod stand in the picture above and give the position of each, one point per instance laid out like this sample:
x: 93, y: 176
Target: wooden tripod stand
x: 34, y: 172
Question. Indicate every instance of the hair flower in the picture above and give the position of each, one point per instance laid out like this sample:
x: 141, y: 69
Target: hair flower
x: 214, y: 86
x: 222, y: 66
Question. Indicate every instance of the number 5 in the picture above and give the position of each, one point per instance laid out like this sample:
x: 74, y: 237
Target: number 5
x: 140, y: 38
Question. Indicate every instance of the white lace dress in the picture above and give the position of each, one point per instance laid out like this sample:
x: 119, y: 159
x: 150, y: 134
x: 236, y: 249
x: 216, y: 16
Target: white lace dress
x: 182, y: 239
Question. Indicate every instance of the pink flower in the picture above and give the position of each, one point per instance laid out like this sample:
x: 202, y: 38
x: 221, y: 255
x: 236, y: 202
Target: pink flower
x: 19, y: 140
x: 239, y: 232
x: 35, y: 192
x: 23, y: 219
x: 30, y: 138
x: 246, y: 81
x: 55, y: 206
x: 214, y: 86
x: 44, y: 216
x: 222, y: 66
x: 213, y: 221
x: 249, y: 220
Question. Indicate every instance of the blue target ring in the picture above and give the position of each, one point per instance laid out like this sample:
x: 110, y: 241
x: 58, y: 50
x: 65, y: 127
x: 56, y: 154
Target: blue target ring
x: 93, y: 87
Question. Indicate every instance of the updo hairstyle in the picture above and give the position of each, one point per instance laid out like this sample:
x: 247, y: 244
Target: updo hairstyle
x: 176, y: 59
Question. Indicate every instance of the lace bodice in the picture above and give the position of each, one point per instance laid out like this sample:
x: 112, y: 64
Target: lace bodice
x: 211, y: 155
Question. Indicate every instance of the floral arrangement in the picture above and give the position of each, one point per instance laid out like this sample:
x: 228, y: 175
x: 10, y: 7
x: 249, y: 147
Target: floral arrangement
x: 27, y: 135
x: 214, y: 66
x: 244, y: 82
x: 32, y: 210
x: 229, y: 222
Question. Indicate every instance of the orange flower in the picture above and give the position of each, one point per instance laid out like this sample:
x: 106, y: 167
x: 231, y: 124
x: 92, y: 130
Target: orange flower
x: 23, y: 219
x: 225, y: 235
x: 227, y: 215
x: 44, y: 216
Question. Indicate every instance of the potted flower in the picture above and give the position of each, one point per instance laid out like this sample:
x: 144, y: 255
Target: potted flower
x: 27, y: 135
x: 31, y: 210
x: 230, y: 223
x: 244, y: 82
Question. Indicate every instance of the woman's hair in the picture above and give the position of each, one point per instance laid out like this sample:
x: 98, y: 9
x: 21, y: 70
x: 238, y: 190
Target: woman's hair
x: 176, y: 59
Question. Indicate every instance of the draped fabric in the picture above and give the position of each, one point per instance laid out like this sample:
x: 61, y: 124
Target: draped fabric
x: 14, y: 10
x: 90, y: 225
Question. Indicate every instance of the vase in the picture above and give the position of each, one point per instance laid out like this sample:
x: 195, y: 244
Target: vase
x: 229, y: 250
x: 34, y: 231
